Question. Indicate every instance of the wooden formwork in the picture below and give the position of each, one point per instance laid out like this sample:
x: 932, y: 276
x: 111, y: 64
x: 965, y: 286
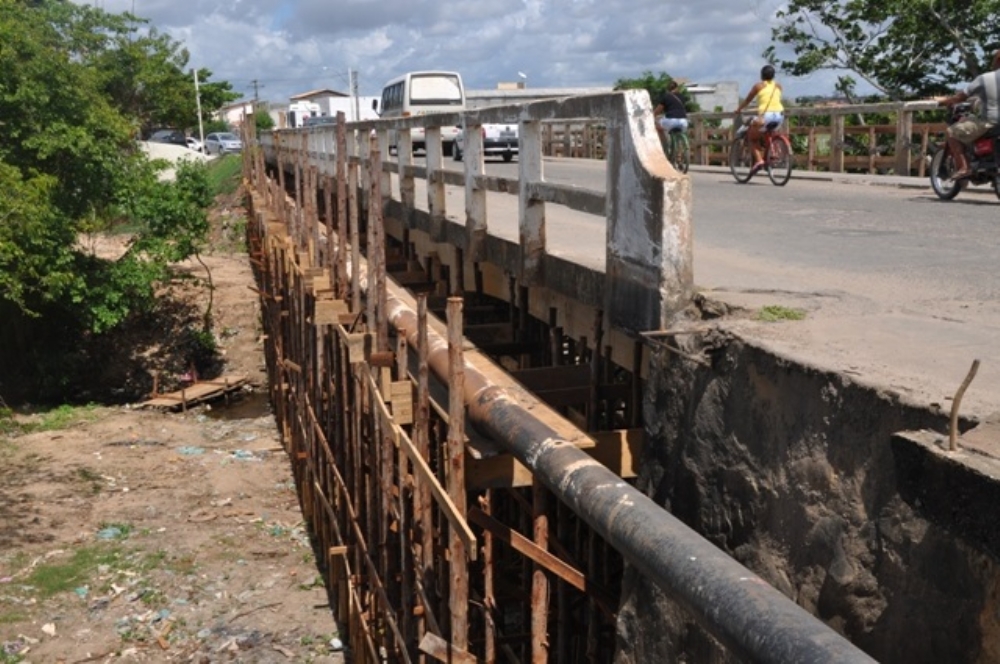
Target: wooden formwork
x: 433, y: 545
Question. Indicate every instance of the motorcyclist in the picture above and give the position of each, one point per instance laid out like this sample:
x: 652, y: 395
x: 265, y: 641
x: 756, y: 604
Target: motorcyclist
x: 985, y: 89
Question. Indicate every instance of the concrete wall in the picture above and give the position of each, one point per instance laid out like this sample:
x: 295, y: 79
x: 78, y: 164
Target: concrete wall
x: 796, y: 474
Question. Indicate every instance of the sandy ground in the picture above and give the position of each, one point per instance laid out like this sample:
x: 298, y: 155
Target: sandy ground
x: 136, y: 535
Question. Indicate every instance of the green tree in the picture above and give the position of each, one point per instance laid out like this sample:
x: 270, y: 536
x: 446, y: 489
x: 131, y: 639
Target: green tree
x: 146, y: 75
x: 263, y: 120
x: 656, y: 85
x: 69, y: 168
x: 903, y: 48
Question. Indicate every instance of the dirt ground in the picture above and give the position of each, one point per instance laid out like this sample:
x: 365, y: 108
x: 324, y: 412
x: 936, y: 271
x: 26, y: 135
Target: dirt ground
x: 131, y: 534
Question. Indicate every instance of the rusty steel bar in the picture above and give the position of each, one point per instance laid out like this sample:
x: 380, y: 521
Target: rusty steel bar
x: 749, y: 616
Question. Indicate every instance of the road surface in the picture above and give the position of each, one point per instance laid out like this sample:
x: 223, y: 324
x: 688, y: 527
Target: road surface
x: 900, y: 290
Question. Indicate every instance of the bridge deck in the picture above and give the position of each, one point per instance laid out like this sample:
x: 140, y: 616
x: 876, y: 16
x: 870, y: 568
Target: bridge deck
x: 921, y: 356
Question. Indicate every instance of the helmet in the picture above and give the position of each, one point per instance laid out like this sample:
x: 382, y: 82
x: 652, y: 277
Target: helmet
x: 766, y: 73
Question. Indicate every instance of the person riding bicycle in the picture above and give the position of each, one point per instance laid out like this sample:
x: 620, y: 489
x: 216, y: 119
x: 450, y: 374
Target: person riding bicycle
x: 985, y: 90
x: 767, y: 92
x: 670, y: 112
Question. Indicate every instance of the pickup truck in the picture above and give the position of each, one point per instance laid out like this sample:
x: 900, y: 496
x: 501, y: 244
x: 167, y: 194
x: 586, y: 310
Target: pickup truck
x: 499, y: 140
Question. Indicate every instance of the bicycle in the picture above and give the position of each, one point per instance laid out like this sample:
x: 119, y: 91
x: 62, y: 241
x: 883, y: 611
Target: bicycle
x: 777, y: 155
x: 678, y: 149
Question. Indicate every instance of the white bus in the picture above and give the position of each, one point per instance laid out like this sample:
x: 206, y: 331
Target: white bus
x: 421, y: 92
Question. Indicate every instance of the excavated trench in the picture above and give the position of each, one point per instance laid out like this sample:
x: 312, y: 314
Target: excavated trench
x: 816, y: 483
x: 810, y: 480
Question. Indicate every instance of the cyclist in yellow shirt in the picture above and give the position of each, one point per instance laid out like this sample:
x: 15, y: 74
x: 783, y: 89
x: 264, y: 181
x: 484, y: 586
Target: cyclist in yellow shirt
x: 767, y: 92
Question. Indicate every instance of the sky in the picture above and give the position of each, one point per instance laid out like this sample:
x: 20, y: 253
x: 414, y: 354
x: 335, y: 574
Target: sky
x: 272, y: 49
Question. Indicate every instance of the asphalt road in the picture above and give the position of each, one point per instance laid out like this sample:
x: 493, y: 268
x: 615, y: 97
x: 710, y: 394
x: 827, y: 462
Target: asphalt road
x: 901, y: 290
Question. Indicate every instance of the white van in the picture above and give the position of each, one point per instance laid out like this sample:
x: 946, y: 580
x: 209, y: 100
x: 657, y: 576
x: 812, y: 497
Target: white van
x: 421, y: 92
x: 300, y: 111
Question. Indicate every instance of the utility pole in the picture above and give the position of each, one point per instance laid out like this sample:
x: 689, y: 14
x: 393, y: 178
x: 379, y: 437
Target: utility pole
x: 197, y: 98
x: 353, y: 74
x: 256, y: 92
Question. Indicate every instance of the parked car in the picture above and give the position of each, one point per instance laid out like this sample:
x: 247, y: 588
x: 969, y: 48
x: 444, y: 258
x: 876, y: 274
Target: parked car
x: 171, y: 136
x: 499, y: 140
x: 320, y: 120
x: 223, y: 142
x: 195, y: 144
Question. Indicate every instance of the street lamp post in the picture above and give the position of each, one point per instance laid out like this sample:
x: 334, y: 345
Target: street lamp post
x: 197, y: 98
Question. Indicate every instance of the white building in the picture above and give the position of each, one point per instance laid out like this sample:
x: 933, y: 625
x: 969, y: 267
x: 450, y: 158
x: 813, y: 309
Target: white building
x: 329, y: 102
x: 232, y: 114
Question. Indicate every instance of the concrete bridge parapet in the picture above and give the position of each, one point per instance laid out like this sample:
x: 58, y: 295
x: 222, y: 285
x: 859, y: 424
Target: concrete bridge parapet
x: 648, y: 272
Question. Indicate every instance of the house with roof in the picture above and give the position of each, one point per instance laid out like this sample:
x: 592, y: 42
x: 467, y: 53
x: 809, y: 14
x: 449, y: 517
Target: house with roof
x: 321, y: 103
x: 232, y: 114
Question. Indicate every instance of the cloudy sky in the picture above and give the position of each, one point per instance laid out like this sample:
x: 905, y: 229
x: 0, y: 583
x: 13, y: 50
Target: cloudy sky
x: 291, y: 46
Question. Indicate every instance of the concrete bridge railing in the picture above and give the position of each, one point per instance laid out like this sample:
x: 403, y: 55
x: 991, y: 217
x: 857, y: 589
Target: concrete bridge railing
x: 864, y: 138
x: 648, y: 262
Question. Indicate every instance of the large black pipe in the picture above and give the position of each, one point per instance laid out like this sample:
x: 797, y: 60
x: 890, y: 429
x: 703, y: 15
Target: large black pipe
x: 735, y: 605
x: 748, y: 615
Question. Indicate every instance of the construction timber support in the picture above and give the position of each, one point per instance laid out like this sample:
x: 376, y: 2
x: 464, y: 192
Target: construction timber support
x: 456, y: 515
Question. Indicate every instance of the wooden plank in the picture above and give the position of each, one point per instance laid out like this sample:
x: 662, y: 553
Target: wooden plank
x: 526, y: 547
x: 411, y: 277
x: 328, y: 312
x: 444, y: 502
x: 197, y: 393
x: 436, y: 647
x: 401, y: 399
x: 548, y: 378
x: 356, y: 343
x: 566, y: 396
x: 618, y: 450
x: 500, y: 471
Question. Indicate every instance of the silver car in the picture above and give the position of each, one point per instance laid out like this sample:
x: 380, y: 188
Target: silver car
x: 223, y: 142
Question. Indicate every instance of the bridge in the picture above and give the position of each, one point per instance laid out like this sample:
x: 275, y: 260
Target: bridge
x: 489, y: 482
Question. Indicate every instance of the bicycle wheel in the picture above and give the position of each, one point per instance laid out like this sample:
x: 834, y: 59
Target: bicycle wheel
x: 779, y: 160
x: 740, y: 159
x: 681, y: 148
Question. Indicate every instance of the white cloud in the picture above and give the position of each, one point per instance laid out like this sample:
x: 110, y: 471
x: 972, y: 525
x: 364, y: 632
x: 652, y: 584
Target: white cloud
x: 288, y: 46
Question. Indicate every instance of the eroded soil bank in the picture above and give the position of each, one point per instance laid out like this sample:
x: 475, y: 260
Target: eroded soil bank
x: 793, y: 472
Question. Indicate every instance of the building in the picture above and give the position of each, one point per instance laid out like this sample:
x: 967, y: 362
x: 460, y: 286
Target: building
x: 232, y: 114
x: 329, y: 102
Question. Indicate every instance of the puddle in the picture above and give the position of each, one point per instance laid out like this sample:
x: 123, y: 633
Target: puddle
x: 242, y: 406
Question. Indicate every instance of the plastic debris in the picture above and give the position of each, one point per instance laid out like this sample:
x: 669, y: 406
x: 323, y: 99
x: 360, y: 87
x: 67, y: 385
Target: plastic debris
x: 190, y: 450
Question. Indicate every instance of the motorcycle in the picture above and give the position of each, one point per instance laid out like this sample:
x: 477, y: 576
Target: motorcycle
x: 983, y: 157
